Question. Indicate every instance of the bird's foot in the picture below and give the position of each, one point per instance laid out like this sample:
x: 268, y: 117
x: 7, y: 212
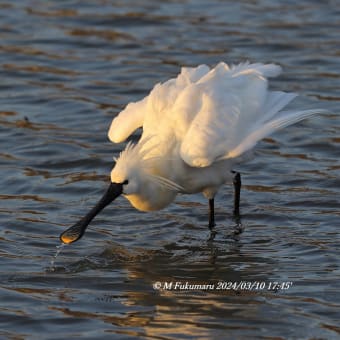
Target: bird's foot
x: 238, y: 227
x: 212, y: 235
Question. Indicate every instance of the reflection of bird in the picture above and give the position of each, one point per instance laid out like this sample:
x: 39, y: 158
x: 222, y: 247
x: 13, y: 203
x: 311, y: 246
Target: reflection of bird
x: 196, y: 127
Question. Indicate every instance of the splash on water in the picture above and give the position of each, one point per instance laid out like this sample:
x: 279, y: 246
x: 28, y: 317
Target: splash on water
x: 54, y: 259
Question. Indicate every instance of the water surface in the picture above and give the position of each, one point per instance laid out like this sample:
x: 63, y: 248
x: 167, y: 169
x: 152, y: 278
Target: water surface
x: 67, y: 68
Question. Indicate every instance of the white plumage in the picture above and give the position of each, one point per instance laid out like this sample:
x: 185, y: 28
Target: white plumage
x: 196, y: 127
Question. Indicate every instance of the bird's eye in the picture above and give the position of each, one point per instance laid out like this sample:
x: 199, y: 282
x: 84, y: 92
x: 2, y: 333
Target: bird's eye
x: 126, y: 182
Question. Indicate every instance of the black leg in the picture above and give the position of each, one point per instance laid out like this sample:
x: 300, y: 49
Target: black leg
x: 237, y: 193
x: 211, y: 213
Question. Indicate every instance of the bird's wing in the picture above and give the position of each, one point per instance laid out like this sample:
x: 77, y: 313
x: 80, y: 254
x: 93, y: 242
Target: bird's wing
x: 236, y: 111
x: 156, y: 108
x: 130, y: 119
x: 214, y: 114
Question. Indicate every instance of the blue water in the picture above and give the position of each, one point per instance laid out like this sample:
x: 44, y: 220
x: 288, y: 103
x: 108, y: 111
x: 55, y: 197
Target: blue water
x: 67, y: 68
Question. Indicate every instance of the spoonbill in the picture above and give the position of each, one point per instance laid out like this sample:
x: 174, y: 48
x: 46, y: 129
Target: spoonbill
x: 196, y: 128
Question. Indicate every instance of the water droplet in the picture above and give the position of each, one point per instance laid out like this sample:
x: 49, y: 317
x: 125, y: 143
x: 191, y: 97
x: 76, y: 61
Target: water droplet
x: 59, y: 249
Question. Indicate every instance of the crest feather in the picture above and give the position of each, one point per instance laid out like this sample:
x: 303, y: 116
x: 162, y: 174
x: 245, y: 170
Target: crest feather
x: 135, y: 157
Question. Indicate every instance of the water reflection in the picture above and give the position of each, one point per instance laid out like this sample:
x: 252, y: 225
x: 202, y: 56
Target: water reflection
x: 201, y: 263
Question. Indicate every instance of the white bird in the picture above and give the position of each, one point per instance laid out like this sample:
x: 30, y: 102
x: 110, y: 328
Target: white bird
x: 196, y: 128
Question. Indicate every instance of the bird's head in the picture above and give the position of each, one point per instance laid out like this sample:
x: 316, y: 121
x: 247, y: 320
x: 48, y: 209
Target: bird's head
x: 128, y: 170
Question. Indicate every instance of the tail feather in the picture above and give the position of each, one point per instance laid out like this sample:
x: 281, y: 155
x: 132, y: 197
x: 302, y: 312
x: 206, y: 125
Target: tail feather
x: 276, y: 101
x: 284, y: 119
x: 265, y: 70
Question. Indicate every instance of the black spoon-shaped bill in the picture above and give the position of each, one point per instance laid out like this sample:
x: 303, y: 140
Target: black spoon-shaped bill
x: 75, y: 232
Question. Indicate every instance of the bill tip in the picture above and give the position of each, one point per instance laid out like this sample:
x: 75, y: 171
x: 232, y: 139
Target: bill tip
x: 68, y: 238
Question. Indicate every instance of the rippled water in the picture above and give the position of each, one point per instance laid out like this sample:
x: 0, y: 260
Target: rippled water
x: 67, y: 68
